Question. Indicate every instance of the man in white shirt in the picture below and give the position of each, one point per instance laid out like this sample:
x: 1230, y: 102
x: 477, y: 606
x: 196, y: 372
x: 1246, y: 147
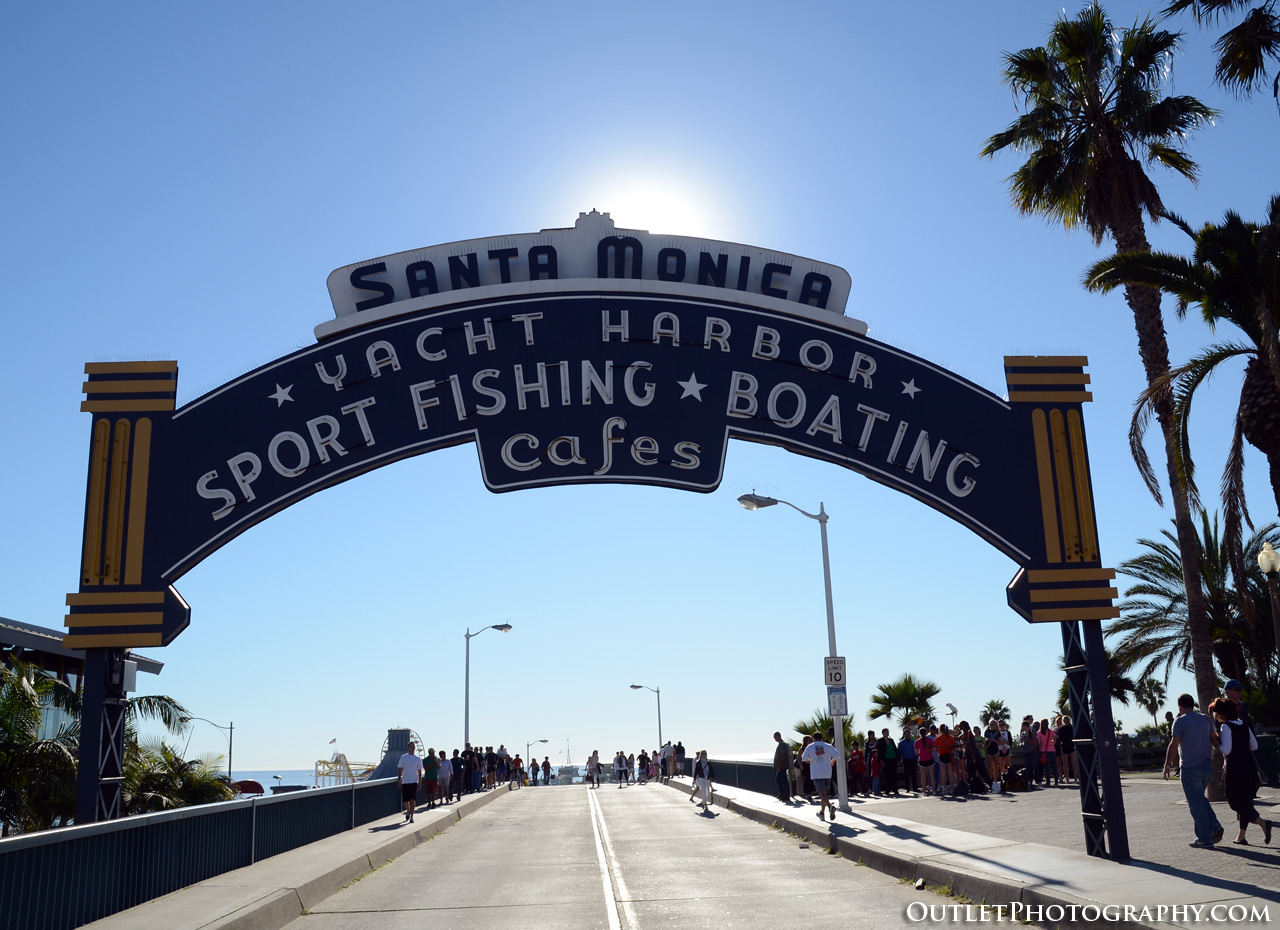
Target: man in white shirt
x: 822, y: 759
x: 409, y: 772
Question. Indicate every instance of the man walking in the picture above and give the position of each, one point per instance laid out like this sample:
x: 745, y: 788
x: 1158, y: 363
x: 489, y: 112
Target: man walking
x: 409, y: 773
x: 1191, y: 743
x: 782, y: 768
x: 446, y: 776
x: 821, y: 757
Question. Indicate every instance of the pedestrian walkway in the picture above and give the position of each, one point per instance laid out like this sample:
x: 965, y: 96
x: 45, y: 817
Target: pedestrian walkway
x: 1156, y: 813
x: 270, y: 894
x: 1029, y: 848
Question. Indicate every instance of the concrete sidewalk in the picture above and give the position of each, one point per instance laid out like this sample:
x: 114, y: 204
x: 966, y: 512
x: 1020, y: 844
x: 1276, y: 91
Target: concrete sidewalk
x: 1008, y: 870
x: 269, y: 894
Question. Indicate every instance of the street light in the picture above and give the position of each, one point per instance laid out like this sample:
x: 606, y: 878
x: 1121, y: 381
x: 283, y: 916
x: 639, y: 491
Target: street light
x: 230, y: 735
x: 755, y: 501
x: 658, y: 692
x: 466, y: 697
x: 531, y: 743
x: 1269, y: 562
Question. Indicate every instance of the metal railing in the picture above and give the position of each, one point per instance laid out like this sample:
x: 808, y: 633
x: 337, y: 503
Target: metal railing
x: 61, y: 879
x: 754, y: 776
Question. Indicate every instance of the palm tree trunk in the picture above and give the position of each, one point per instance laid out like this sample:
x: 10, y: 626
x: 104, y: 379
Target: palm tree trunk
x: 1153, y: 348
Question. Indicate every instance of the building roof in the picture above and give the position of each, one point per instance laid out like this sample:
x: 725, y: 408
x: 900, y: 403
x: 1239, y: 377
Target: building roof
x: 15, y: 633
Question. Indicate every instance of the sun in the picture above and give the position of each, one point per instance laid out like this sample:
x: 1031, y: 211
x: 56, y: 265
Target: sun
x: 659, y: 205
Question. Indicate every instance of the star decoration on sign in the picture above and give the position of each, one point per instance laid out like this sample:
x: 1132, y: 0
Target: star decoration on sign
x: 281, y: 395
x: 691, y: 387
x: 909, y: 387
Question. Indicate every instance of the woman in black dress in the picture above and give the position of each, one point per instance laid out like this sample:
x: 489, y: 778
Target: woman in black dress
x: 1240, y: 778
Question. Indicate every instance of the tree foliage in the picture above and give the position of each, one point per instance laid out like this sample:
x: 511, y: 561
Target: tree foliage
x: 904, y: 700
x: 38, y: 772
x: 1247, y: 48
x: 1151, y: 634
x: 35, y: 771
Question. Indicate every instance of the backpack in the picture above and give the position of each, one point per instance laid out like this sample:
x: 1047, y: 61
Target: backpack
x: 977, y: 785
x: 961, y: 787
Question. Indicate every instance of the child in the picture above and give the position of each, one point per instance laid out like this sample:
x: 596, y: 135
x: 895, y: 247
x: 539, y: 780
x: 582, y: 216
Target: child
x: 857, y: 771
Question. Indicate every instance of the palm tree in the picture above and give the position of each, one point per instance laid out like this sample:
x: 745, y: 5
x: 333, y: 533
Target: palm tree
x: 1244, y: 49
x: 1121, y: 685
x: 909, y: 698
x: 821, y: 722
x: 1094, y: 117
x: 1150, y: 695
x: 997, y: 710
x: 157, y: 778
x: 37, y: 773
x: 1233, y: 276
x: 1152, y: 631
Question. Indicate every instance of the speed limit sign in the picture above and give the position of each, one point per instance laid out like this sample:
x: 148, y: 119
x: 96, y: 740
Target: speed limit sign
x: 835, y: 671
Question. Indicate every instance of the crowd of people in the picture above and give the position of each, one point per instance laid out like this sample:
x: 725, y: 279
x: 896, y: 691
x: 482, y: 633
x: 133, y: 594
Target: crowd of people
x: 666, y: 761
x: 933, y: 759
x: 443, y: 778
x: 470, y: 770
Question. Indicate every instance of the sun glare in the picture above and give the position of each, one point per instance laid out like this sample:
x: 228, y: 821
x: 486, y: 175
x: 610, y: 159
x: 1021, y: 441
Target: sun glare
x: 656, y: 205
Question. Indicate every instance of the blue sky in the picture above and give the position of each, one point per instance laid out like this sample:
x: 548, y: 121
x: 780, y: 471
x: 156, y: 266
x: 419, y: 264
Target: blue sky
x: 182, y: 180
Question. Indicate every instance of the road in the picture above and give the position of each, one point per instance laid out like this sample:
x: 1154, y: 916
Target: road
x: 635, y: 858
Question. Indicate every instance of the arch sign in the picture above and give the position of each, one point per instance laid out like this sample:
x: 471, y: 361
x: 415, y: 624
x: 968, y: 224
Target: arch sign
x: 574, y: 356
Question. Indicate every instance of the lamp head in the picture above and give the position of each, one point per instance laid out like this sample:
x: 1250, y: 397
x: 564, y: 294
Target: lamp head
x: 1269, y: 559
x: 754, y: 501
x: 502, y: 627
x: 636, y: 687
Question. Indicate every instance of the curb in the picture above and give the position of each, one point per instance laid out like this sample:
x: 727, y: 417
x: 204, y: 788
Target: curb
x: 976, y: 886
x: 286, y: 905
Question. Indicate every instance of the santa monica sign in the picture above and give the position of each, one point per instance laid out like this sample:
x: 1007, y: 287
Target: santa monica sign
x: 578, y: 355
x: 570, y: 356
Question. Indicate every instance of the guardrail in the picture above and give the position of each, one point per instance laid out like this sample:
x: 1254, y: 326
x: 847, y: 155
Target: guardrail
x: 62, y: 879
x: 754, y: 776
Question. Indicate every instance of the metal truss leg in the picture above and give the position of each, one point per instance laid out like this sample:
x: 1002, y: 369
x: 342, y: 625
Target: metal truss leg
x: 100, y: 775
x: 1098, y: 766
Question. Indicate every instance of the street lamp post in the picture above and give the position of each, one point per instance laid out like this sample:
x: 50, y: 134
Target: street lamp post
x: 533, y: 742
x: 230, y: 735
x: 658, y: 692
x: 1269, y: 562
x: 466, y: 691
x: 755, y: 501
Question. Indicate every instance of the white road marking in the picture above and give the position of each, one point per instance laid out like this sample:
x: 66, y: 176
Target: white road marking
x: 632, y: 923
x: 611, y: 903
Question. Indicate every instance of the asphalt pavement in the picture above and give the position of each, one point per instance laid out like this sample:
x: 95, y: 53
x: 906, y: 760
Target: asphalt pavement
x: 634, y: 858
